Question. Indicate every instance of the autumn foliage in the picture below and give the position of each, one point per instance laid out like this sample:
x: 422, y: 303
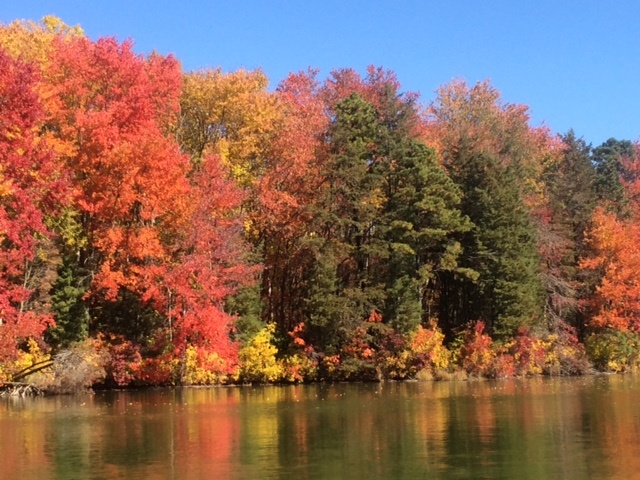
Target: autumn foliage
x: 201, y: 228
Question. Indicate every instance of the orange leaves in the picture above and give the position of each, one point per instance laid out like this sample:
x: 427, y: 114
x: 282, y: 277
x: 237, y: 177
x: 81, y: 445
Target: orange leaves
x: 110, y: 106
x: 476, y: 118
x: 616, y: 256
x: 30, y: 187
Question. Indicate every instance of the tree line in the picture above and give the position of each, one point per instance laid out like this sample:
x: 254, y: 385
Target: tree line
x: 196, y: 227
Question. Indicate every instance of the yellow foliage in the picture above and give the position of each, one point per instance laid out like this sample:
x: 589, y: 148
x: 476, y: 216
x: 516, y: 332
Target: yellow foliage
x: 398, y: 366
x: 614, y: 351
x: 32, y: 356
x: 430, y: 342
x: 258, y: 361
x: 32, y: 41
x: 5, y: 185
x: 298, y: 368
x: 331, y: 364
x: 231, y: 115
x: 202, y: 368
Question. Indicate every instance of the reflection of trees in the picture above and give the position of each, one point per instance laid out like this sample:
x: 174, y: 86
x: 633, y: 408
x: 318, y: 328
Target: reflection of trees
x: 565, y: 428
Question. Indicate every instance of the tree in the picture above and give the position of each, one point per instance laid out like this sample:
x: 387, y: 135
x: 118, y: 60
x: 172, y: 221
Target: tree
x: 284, y: 196
x: 107, y: 119
x: 344, y: 220
x: 31, y: 187
x: 420, y: 221
x: 570, y: 200
x: 615, y: 257
x: 494, y: 157
x: 230, y: 115
x: 209, y: 264
x: 32, y: 41
x: 608, y: 159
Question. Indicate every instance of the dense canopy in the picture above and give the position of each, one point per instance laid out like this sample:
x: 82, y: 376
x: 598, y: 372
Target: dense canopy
x: 196, y: 227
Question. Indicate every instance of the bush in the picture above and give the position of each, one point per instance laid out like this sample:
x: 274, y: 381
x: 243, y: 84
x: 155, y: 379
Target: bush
x: 613, y: 350
x: 477, y: 352
x: 78, y: 367
x: 428, y: 346
x: 258, y: 363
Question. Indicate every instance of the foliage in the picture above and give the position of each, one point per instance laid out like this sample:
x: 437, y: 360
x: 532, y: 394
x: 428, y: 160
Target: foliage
x: 495, y: 158
x: 614, y: 350
x: 562, y: 224
x: 33, y: 354
x: 202, y: 367
x: 428, y: 345
x: 609, y: 161
x: 163, y: 227
x: 258, y: 362
x: 477, y: 353
x: 230, y: 115
x: 615, y: 303
x: 30, y: 189
x: 298, y: 368
x: 123, y: 359
x: 526, y: 354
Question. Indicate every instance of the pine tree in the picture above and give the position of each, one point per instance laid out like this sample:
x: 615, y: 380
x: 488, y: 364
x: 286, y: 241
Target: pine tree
x: 341, y: 294
x: 571, y: 198
x: 501, y: 248
x: 420, y: 220
x: 609, y: 171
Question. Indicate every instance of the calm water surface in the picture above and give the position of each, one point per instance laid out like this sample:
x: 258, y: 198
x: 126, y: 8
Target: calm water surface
x: 521, y: 429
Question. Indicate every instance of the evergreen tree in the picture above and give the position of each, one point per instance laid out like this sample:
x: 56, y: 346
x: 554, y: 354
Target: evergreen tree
x: 420, y: 220
x: 571, y: 198
x: 71, y: 310
x: 609, y: 171
x: 501, y: 248
x: 341, y: 295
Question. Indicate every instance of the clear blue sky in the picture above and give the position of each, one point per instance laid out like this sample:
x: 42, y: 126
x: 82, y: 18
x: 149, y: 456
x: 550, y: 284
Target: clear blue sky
x: 575, y: 63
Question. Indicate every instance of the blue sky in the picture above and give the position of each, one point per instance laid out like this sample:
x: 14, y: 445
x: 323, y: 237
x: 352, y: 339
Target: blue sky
x: 575, y: 63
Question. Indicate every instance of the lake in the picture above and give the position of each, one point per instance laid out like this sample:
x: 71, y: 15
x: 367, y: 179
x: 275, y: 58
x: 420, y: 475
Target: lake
x: 541, y: 428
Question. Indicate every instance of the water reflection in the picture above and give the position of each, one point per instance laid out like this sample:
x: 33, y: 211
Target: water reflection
x: 536, y: 428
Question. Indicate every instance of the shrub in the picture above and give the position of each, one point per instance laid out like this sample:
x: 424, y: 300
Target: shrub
x: 201, y: 367
x: 477, y: 353
x: 529, y: 353
x: 614, y: 350
x: 258, y: 363
x: 427, y: 344
x: 299, y: 368
x: 565, y: 355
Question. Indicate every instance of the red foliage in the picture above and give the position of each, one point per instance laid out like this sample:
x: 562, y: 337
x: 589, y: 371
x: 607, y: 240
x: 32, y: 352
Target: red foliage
x: 107, y: 114
x: 210, y: 264
x: 124, y: 361
x: 30, y: 187
x: 477, y: 351
x: 529, y: 353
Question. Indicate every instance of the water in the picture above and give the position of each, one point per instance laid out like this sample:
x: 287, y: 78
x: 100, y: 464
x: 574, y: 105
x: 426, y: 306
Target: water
x: 525, y: 429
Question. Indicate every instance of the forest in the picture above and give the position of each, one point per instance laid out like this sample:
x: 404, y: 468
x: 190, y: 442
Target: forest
x: 163, y: 227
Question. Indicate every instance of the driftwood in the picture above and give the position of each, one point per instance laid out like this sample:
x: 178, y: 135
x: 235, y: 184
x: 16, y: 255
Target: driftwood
x: 19, y: 389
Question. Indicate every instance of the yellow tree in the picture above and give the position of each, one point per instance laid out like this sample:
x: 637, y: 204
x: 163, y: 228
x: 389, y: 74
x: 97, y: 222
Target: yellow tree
x: 231, y: 115
x: 32, y: 40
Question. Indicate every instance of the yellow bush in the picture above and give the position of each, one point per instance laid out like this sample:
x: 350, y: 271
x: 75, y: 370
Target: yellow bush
x: 258, y: 361
x: 202, y: 368
x: 430, y: 342
x: 32, y: 356
x: 398, y: 366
